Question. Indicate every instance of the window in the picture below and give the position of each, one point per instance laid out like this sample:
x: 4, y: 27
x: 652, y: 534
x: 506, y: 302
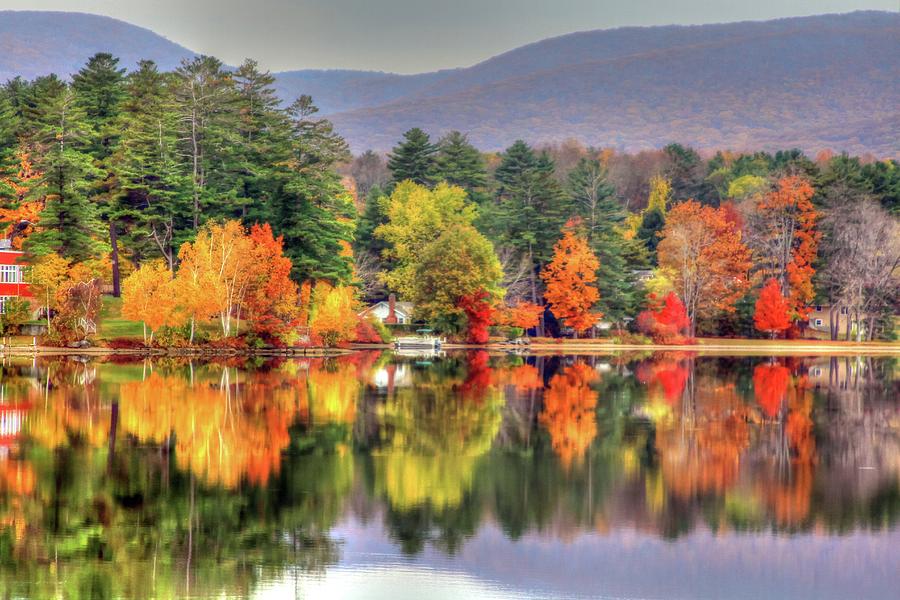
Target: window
x: 843, y: 310
x: 3, y: 301
x: 818, y: 308
x: 11, y: 274
x: 818, y: 322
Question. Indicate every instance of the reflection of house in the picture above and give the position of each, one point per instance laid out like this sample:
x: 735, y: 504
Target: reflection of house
x: 382, y: 311
x: 12, y: 276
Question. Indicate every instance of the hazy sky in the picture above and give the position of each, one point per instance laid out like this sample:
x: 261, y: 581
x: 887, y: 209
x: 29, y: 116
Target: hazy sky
x: 409, y: 35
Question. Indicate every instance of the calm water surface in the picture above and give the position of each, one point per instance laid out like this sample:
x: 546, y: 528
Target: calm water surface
x: 466, y: 476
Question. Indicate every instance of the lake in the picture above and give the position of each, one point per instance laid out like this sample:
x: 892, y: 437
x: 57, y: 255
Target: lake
x: 470, y: 475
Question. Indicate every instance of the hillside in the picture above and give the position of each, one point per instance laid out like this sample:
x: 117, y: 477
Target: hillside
x: 38, y: 43
x: 817, y: 82
x: 830, y: 81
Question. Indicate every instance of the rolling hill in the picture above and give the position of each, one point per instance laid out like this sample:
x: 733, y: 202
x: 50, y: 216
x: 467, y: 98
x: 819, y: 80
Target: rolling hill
x: 830, y: 81
x: 34, y: 43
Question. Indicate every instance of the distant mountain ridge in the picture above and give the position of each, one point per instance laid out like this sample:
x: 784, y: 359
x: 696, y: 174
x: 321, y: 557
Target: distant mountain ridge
x: 35, y: 43
x: 829, y: 81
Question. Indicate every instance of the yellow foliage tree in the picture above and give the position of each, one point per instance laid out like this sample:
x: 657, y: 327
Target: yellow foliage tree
x: 334, y: 315
x: 148, y: 295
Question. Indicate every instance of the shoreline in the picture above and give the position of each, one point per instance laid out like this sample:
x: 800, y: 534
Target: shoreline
x: 705, y: 346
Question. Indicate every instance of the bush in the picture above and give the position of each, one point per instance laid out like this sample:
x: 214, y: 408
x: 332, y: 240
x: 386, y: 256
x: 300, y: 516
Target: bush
x: 17, y: 312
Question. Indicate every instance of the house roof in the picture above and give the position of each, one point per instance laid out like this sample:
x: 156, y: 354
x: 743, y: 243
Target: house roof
x: 405, y: 308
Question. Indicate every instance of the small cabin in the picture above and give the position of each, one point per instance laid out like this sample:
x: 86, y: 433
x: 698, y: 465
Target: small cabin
x: 390, y: 311
x: 13, y: 282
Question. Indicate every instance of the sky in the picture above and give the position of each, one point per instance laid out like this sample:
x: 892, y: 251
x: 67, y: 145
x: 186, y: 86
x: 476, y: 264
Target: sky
x: 409, y: 36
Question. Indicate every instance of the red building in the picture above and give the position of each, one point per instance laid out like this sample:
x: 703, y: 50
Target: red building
x: 12, y: 276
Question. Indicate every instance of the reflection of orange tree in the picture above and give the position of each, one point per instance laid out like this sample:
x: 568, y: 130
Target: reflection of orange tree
x: 700, y: 451
x: 789, y: 495
x: 434, y: 438
x: 770, y: 382
x: 665, y: 377
x: 569, y: 412
x: 225, y: 430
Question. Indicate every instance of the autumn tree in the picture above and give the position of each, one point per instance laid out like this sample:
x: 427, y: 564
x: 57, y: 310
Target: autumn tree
x: 48, y: 274
x: 708, y: 258
x: 667, y: 322
x: 524, y: 315
x: 271, y: 303
x: 772, y: 312
x: 458, y: 264
x: 478, y: 310
x: 334, y: 314
x: 570, y: 280
x: 215, y: 273
x: 148, y: 295
x: 785, y: 240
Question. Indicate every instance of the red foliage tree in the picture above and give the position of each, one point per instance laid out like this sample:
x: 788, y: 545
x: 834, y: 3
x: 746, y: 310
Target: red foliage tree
x: 667, y: 324
x: 479, y: 314
x: 772, y: 311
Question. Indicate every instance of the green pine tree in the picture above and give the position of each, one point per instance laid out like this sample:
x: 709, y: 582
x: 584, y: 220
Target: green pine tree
x: 151, y: 208
x: 69, y: 223
x: 593, y: 199
x: 459, y: 163
x: 413, y: 158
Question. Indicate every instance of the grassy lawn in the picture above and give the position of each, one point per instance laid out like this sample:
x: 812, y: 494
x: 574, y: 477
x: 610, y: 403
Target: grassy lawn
x: 112, y: 325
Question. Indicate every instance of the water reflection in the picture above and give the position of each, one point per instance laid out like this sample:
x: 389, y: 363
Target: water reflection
x: 168, y: 479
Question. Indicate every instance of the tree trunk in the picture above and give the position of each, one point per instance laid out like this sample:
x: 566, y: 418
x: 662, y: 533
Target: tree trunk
x: 114, y: 257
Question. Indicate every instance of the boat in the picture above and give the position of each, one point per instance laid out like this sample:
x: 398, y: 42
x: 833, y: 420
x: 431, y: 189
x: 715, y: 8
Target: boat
x: 425, y: 340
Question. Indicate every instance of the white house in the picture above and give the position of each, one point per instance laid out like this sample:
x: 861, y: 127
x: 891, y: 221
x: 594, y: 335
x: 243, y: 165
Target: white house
x: 403, y: 311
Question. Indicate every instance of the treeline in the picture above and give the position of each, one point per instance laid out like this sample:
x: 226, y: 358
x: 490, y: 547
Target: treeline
x: 115, y: 169
x: 711, y: 230
x: 129, y: 165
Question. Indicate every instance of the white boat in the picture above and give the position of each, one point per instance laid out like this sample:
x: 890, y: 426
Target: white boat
x: 425, y: 340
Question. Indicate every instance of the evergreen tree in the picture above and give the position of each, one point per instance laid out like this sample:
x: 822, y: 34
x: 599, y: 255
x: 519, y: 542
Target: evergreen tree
x: 593, y: 199
x: 99, y: 90
x: 413, y: 158
x: 264, y: 134
x: 459, y: 163
x: 151, y: 208
x: 206, y: 103
x: 69, y: 223
x: 526, y: 213
x: 652, y: 223
x: 312, y: 209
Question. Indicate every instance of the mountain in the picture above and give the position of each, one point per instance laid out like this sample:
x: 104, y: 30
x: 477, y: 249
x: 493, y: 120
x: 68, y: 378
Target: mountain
x: 36, y: 43
x: 816, y: 82
x: 830, y: 81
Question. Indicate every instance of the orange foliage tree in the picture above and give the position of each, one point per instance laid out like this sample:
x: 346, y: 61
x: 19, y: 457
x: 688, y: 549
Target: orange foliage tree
x: 703, y: 249
x: 772, y: 313
x: 570, y: 279
x: 525, y: 315
x: 16, y: 213
x: 787, y: 242
x: 271, y: 303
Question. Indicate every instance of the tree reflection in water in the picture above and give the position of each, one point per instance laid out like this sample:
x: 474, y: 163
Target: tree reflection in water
x: 164, y: 478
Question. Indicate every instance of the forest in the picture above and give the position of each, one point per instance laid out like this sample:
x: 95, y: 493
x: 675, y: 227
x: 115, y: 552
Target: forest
x: 221, y: 214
